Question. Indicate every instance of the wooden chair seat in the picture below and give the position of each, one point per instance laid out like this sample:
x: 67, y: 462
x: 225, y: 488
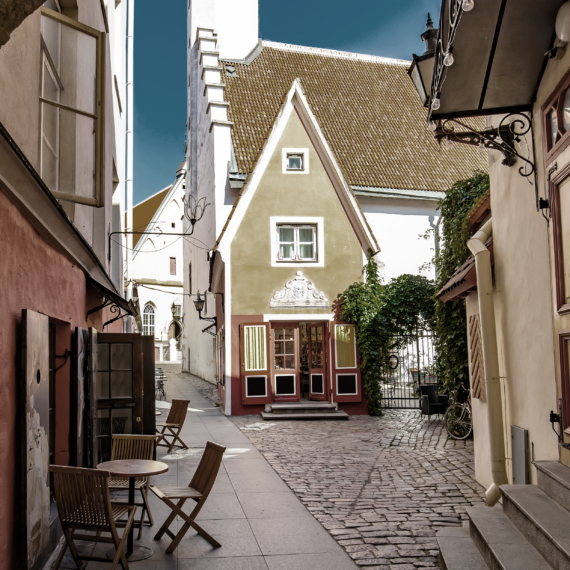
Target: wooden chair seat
x: 174, y: 422
x: 198, y: 490
x: 134, y: 447
x: 84, y: 504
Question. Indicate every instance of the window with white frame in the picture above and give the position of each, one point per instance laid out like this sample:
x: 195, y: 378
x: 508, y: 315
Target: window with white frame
x: 294, y: 161
x: 71, y: 104
x: 148, y: 320
x: 296, y: 242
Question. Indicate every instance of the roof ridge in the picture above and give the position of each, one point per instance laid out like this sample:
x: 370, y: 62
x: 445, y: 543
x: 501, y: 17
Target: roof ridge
x: 335, y: 53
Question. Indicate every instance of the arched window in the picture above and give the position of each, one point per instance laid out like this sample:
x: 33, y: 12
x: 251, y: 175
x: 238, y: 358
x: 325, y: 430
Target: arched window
x: 148, y: 320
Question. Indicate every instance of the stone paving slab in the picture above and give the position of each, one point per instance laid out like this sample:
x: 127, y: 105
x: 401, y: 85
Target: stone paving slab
x: 382, y: 487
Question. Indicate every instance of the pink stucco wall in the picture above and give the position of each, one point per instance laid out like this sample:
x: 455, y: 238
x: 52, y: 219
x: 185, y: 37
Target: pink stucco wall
x: 33, y: 276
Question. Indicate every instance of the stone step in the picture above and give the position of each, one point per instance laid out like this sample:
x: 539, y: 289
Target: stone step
x: 305, y: 416
x: 457, y: 551
x: 297, y: 408
x: 554, y: 479
x: 543, y: 522
x: 500, y: 543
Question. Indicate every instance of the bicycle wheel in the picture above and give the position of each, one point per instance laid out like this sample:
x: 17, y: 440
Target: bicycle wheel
x: 458, y: 422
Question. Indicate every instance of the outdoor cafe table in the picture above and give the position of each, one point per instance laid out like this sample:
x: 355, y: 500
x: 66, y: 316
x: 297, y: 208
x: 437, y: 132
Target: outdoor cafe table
x: 133, y: 468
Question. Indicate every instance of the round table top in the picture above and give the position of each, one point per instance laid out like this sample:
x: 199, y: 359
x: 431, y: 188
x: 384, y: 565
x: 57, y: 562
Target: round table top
x: 133, y: 467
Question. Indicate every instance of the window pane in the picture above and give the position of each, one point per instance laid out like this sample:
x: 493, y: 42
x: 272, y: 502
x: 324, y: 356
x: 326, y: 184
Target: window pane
x: 51, y: 31
x: 76, y: 154
x: 345, y: 346
x: 306, y: 251
x: 286, y: 251
x: 50, y: 89
x: 288, y: 334
x: 306, y: 235
x: 566, y: 111
x: 279, y: 334
x: 286, y: 234
x: 553, y: 127
x: 564, y: 207
x: 295, y: 163
x: 278, y: 347
x: 254, y: 342
x: 289, y: 347
x: 289, y: 362
x: 279, y: 362
x: 49, y: 166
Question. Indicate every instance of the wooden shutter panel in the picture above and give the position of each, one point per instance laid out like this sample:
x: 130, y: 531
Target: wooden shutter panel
x: 345, y: 368
x: 476, y: 359
x: 255, y: 367
x: 34, y: 433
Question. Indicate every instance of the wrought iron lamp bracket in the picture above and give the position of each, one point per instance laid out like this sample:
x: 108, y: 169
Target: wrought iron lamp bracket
x: 503, y: 138
x: 112, y: 307
x: 557, y: 419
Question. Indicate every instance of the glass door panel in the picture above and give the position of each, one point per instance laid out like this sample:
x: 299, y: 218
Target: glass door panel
x: 286, y: 362
x: 317, y: 362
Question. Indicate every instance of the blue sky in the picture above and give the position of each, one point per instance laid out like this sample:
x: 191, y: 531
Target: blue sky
x: 389, y: 28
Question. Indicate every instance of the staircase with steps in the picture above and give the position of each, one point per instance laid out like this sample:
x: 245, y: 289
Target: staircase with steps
x: 530, y: 531
x: 303, y: 411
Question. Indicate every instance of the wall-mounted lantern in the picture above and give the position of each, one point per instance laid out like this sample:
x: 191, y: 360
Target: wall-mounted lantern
x: 199, y: 304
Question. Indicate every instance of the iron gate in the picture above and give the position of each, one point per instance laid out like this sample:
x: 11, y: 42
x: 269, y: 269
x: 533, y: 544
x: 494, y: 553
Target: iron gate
x: 409, y: 366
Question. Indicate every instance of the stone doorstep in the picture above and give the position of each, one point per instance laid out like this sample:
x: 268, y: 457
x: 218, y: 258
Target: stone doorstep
x: 554, y: 479
x: 458, y: 552
x: 305, y: 416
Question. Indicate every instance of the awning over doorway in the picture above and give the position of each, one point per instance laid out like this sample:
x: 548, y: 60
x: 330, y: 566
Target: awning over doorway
x: 111, y: 299
x: 499, y: 50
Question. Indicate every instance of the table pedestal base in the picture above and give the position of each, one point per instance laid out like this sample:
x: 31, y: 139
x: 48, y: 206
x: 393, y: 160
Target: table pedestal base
x: 139, y: 553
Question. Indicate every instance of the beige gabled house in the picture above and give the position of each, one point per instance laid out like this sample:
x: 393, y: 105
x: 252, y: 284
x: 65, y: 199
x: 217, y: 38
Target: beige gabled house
x: 309, y: 159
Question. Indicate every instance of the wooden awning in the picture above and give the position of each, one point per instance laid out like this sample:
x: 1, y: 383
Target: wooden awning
x: 464, y: 280
x: 499, y: 50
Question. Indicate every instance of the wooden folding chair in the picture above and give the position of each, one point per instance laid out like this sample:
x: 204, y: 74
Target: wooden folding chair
x: 134, y: 447
x: 84, y: 504
x: 173, y: 423
x: 198, y: 490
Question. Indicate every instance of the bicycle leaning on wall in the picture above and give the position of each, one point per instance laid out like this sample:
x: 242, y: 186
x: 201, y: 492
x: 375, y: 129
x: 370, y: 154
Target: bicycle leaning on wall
x: 458, y: 415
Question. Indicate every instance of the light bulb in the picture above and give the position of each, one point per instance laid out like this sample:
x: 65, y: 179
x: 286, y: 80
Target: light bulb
x: 468, y: 5
x: 448, y: 142
x: 481, y: 144
x: 432, y: 126
x: 435, y: 104
x: 448, y: 59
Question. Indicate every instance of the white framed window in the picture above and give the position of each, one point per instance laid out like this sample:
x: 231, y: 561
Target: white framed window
x: 71, y: 104
x: 148, y: 320
x: 297, y: 240
x: 295, y: 161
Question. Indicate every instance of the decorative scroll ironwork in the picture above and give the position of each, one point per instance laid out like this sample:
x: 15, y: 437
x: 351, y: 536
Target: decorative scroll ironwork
x: 504, y: 138
x: 113, y: 307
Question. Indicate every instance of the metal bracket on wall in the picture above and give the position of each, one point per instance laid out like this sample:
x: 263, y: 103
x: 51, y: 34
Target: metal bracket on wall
x: 113, y: 307
x: 557, y: 419
x: 504, y: 138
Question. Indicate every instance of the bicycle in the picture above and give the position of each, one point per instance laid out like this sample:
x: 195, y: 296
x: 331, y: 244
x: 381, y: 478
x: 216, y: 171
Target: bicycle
x: 458, y: 416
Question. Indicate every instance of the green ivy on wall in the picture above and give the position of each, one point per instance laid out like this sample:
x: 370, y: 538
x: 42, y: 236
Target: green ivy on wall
x: 450, y: 317
x: 381, y: 313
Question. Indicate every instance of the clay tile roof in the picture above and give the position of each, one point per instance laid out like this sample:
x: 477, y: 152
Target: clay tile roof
x: 366, y: 106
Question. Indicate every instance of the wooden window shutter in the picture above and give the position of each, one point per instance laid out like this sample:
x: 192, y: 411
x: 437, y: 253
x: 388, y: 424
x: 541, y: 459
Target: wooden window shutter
x: 346, y: 380
x: 254, y: 365
x: 173, y: 266
x: 476, y: 359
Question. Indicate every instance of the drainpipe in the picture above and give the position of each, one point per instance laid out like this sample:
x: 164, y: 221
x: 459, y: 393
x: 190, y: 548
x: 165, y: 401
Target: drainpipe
x: 491, y: 361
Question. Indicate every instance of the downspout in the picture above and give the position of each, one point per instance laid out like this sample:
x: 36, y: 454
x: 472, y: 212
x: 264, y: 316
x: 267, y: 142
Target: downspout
x: 491, y: 361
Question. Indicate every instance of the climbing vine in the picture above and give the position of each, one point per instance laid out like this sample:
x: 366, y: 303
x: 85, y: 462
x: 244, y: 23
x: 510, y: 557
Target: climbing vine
x: 450, y: 317
x: 380, y: 314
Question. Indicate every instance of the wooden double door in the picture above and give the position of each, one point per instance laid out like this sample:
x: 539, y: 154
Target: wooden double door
x: 296, y: 358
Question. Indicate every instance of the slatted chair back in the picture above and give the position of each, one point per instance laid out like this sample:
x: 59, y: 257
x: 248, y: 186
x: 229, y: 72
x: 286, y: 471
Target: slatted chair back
x: 82, y: 497
x: 132, y: 447
x: 177, y: 413
x: 205, y: 476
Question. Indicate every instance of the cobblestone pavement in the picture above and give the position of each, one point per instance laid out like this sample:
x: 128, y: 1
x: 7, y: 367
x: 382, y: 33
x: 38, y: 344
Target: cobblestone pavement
x: 382, y: 487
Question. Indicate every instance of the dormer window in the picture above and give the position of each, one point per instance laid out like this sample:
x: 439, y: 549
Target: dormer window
x: 294, y: 161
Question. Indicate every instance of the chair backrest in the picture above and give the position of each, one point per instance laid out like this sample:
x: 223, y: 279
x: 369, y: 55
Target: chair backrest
x: 429, y: 390
x: 205, y: 476
x: 177, y: 413
x: 82, y: 496
x: 133, y: 446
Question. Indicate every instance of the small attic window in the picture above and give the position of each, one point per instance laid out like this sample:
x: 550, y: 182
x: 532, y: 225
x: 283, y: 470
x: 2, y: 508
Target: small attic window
x: 231, y: 71
x: 294, y: 161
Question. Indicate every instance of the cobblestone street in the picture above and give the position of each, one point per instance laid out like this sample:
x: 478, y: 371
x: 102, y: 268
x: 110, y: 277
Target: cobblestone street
x: 382, y: 487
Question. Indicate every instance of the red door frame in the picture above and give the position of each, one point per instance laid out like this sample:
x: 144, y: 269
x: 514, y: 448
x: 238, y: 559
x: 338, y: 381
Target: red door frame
x: 286, y: 372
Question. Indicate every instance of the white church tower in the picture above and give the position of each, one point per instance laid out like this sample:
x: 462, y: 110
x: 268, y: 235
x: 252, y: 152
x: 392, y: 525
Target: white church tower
x: 217, y: 30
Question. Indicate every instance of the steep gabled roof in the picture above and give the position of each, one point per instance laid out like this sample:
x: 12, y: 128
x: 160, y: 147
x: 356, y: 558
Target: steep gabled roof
x: 366, y: 107
x: 296, y: 101
x: 144, y: 211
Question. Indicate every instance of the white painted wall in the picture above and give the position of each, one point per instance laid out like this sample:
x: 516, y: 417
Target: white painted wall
x: 397, y: 225
x: 151, y: 260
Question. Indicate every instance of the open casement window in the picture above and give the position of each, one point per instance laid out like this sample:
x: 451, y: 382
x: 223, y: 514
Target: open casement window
x: 219, y: 351
x: 556, y: 120
x: 346, y: 384
x: 561, y: 238
x: 296, y: 243
x: 564, y: 346
x: 255, y: 367
x: 285, y: 362
x: 72, y: 113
